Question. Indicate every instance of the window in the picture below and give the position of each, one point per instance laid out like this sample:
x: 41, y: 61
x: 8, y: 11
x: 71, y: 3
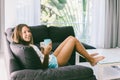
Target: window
x: 68, y: 13
x: 74, y: 13
x: 86, y: 16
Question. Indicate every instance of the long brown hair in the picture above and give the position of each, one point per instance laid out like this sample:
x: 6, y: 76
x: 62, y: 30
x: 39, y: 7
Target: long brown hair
x: 17, y: 35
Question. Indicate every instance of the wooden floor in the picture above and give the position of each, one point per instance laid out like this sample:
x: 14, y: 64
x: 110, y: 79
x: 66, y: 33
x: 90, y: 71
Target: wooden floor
x: 3, y: 73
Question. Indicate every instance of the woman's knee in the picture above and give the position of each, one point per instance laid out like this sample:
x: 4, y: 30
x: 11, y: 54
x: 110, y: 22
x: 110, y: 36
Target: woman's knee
x: 72, y: 38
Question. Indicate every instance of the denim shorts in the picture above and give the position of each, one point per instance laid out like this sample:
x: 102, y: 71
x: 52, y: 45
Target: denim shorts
x: 53, y: 61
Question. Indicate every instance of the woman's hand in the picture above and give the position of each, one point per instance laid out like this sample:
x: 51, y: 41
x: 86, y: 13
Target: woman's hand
x: 47, y: 49
x: 46, y: 52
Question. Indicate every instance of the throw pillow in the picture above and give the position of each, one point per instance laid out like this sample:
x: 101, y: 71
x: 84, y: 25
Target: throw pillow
x: 26, y: 56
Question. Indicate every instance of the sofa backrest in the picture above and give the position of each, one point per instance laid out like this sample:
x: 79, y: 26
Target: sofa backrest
x: 39, y: 33
x: 58, y: 34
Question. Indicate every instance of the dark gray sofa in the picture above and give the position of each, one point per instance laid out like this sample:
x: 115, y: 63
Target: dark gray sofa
x: 16, y: 70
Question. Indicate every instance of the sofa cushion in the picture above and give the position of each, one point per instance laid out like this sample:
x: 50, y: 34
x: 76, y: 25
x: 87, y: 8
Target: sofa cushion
x: 26, y: 56
x: 58, y: 34
x: 39, y: 32
x: 55, y: 45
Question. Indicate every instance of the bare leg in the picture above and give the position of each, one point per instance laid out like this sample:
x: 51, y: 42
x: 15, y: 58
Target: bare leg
x: 81, y: 50
x: 64, y: 51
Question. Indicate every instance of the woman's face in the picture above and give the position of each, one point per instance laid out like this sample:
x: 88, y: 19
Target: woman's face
x: 26, y: 34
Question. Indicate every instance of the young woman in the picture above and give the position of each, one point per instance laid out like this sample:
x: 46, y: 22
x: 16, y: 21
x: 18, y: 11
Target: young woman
x: 23, y: 35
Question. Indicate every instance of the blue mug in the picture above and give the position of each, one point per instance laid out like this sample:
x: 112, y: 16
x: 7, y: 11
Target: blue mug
x: 47, y: 41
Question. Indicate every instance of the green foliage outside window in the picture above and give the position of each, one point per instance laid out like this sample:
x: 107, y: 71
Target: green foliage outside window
x: 66, y: 13
x: 51, y: 9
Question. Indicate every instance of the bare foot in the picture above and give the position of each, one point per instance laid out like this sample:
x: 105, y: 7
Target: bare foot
x: 96, y: 60
x: 93, y: 54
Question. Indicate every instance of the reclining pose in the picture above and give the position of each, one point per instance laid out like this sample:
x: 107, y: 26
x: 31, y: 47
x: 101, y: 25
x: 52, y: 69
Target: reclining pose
x: 23, y: 35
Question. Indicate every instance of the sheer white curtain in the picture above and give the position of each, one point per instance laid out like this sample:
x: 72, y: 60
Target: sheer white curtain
x: 105, y: 26
x: 97, y: 24
x: 112, y: 23
x: 28, y: 11
x: 22, y: 11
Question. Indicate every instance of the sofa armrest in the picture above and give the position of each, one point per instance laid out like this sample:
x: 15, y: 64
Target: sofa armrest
x: 87, y: 46
x: 75, y: 72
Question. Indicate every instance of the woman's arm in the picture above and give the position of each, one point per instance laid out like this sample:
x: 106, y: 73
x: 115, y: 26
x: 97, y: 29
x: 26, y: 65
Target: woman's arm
x: 46, y: 52
x: 45, y: 62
